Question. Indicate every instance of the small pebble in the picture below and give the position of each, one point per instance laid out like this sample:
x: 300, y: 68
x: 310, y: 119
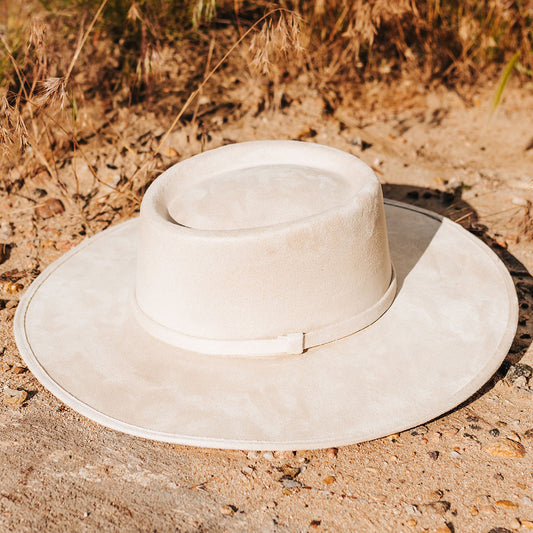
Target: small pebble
x: 291, y: 471
x: 518, y: 374
x: 328, y: 480
x: 455, y: 454
x: 5, y: 232
x: 506, y: 448
x: 412, y: 522
x: 495, y: 432
x: 435, y: 437
x: 529, y: 434
x: 4, y: 367
x: 291, y: 483
x: 247, y: 470
x: 514, y: 523
x: 9, y: 286
x: 443, y: 529
x: 51, y: 207
x: 268, y: 456
x: 19, y: 369
x: 253, y: 455
x: 527, y: 523
x: 488, y: 510
x: 394, y: 436
x: 315, y: 523
x: 474, y: 511
x: 227, y: 510
x: 506, y: 504
x: 14, y: 396
x: 518, y: 200
x: 332, y: 452
x: 433, y: 455
x: 526, y: 500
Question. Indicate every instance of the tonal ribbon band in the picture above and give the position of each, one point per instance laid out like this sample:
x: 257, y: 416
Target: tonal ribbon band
x: 289, y: 344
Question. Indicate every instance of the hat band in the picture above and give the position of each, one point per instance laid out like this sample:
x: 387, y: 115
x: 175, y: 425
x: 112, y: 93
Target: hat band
x: 289, y: 344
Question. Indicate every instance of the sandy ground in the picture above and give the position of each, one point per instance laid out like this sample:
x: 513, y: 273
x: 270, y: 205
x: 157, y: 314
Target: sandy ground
x: 469, y: 470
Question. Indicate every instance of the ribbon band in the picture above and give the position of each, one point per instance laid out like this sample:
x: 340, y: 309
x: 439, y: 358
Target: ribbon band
x: 289, y: 344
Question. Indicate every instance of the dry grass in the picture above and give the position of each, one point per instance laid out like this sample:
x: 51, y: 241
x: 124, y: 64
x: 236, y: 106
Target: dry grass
x: 56, y: 54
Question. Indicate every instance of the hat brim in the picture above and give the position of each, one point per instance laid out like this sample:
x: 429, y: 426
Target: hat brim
x: 447, y: 331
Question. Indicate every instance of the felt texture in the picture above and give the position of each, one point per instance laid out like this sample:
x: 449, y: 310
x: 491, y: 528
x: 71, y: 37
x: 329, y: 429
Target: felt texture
x: 271, y: 248
x: 448, y: 329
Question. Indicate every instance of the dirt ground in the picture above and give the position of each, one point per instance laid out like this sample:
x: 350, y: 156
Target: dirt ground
x: 471, y: 470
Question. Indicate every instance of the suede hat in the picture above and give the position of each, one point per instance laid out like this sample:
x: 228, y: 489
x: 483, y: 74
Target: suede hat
x: 268, y: 298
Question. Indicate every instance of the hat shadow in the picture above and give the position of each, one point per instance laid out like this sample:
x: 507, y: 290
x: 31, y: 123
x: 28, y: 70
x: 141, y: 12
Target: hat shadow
x: 451, y: 205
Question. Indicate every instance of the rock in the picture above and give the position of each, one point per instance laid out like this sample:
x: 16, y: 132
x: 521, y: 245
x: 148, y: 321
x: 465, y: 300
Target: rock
x: 500, y: 530
x: 518, y: 374
x: 529, y: 434
x: 332, y: 452
x: 506, y: 504
x: 228, y: 510
x: 14, y: 396
x: 328, y: 480
x: 514, y: 523
x: 412, y: 522
x: 290, y: 471
x: 5, y: 232
x: 291, y: 483
x: 506, y: 448
x: 268, y: 456
x: 527, y: 523
x: 19, y: 369
x: 433, y: 455
x: 443, y: 529
x: 11, y: 287
x: 50, y: 208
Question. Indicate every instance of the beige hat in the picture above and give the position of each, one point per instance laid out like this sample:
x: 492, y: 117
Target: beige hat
x: 267, y: 298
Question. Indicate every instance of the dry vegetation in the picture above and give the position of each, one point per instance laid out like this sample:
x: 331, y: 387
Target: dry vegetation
x: 69, y: 68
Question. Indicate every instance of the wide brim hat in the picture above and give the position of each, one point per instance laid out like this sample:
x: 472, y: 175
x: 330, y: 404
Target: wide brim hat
x: 268, y: 298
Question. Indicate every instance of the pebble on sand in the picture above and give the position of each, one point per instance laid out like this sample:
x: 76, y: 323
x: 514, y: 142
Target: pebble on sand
x: 506, y: 504
x: 14, y: 396
x: 506, y: 448
x: 51, y: 207
x: 227, y: 510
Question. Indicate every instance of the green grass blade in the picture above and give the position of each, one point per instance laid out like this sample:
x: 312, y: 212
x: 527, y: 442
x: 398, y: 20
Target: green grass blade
x: 504, y: 78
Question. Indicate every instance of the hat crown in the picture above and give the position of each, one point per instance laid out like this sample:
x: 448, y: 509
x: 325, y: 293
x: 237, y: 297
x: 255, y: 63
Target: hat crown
x: 261, y: 241
x: 258, y: 196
